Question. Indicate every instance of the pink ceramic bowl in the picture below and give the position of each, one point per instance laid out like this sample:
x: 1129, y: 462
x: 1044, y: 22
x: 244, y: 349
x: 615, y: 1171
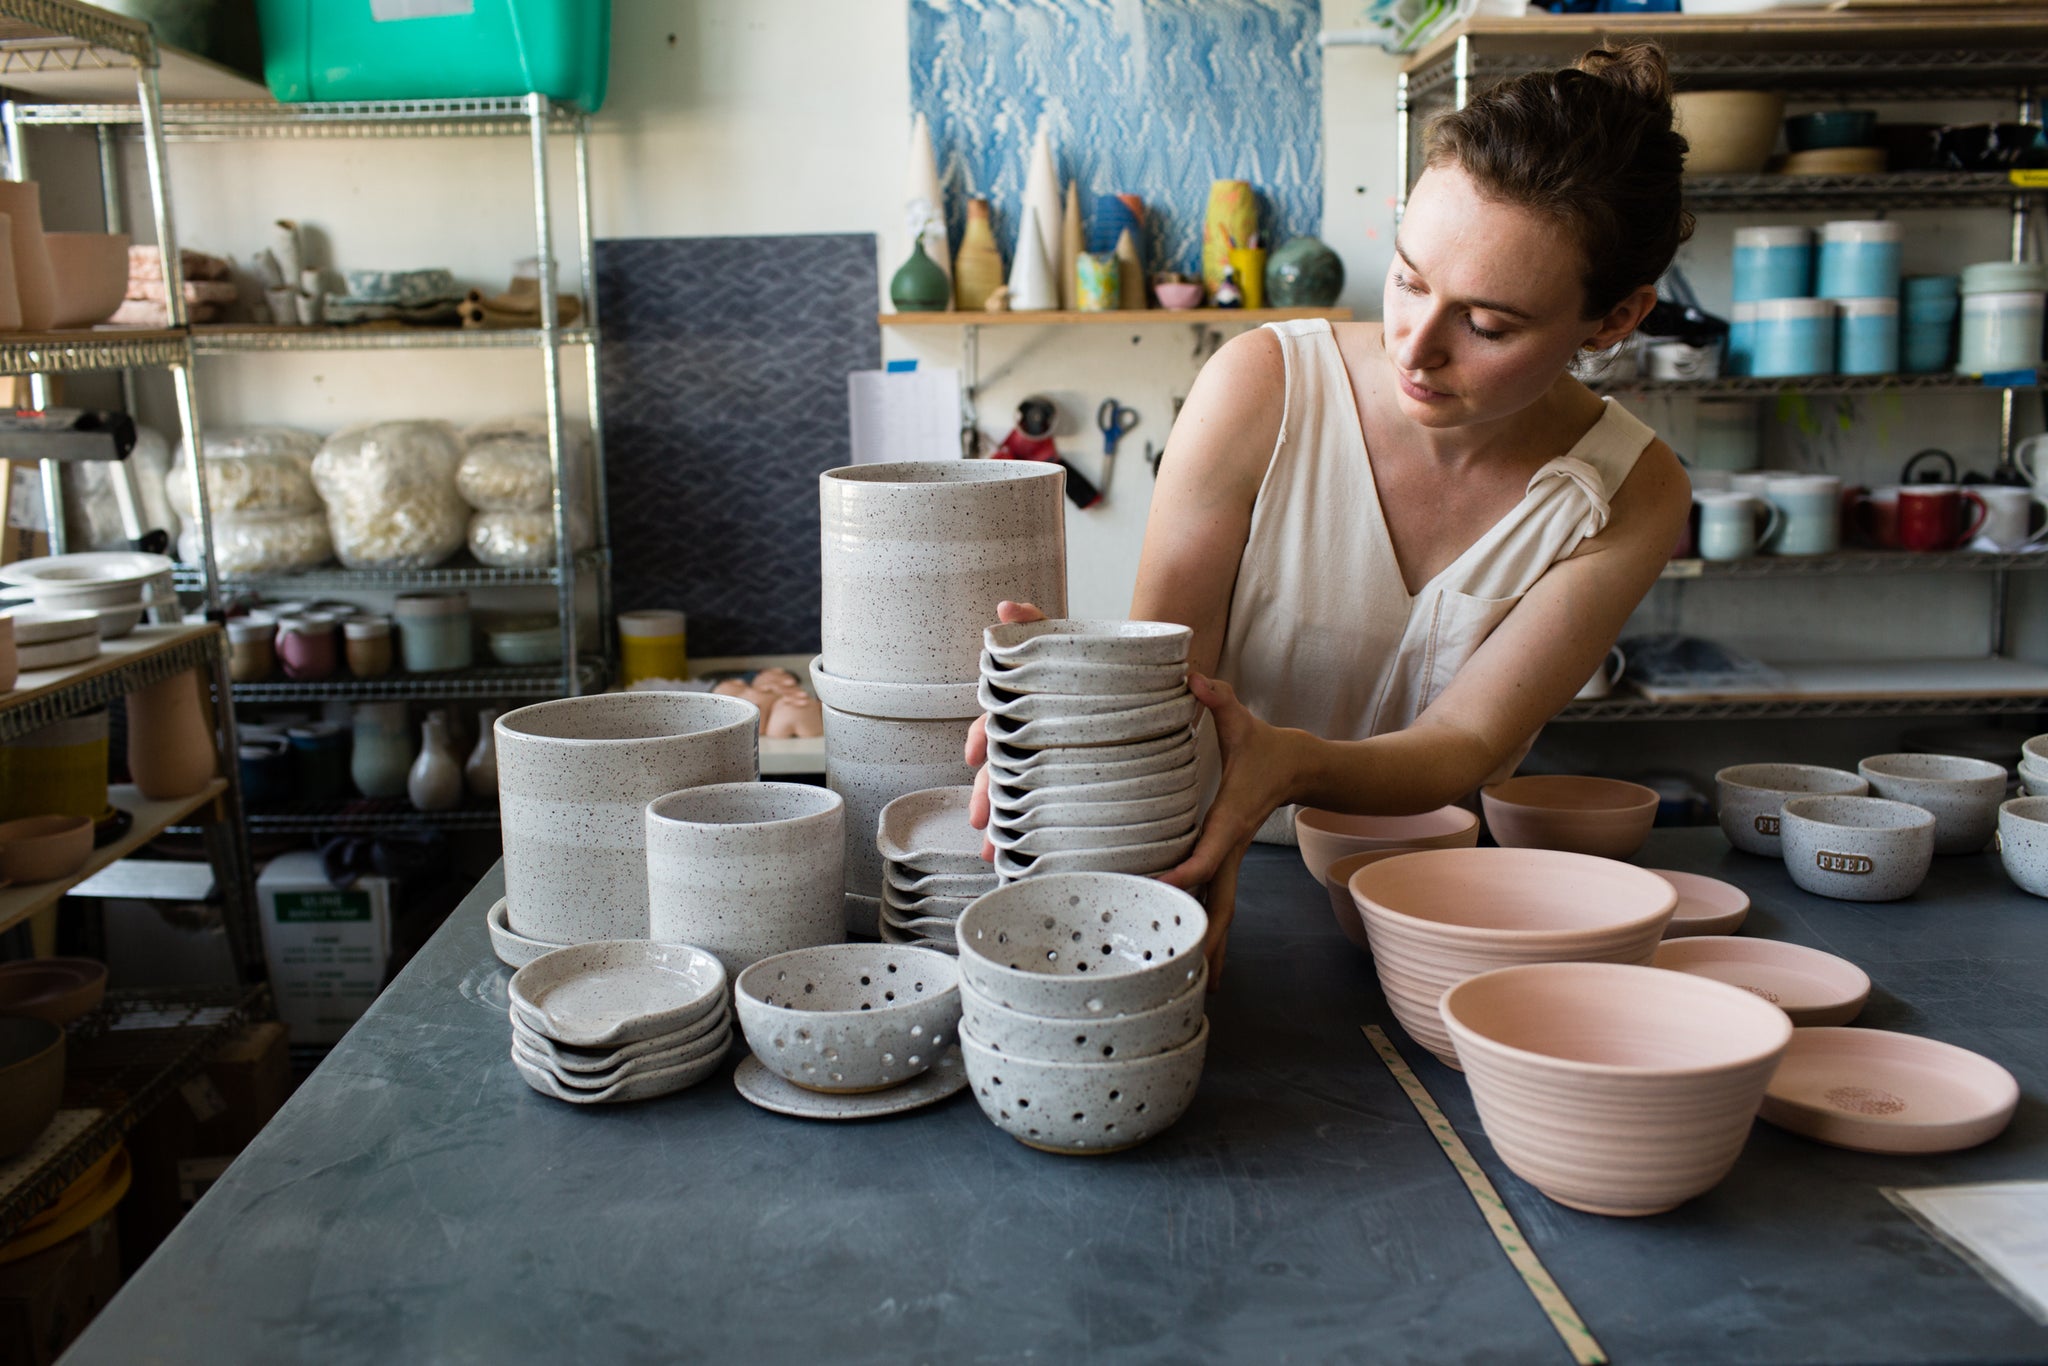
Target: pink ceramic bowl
x: 1178, y: 296
x: 1337, y: 881
x: 1615, y: 1089
x: 1326, y: 836
x: 1580, y: 815
x: 1436, y: 917
x: 40, y: 848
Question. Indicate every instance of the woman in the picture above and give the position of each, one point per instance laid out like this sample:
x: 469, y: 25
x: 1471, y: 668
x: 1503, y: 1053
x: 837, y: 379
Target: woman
x: 1403, y: 546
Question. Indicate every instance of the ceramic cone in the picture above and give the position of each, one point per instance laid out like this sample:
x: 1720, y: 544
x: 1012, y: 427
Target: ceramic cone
x: 924, y: 205
x: 1031, y: 282
x: 1070, y: 248
x: 1042, y: 197
x: 1130, y: 271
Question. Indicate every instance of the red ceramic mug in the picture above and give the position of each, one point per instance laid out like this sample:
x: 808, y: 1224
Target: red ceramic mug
x: 1931, y: 516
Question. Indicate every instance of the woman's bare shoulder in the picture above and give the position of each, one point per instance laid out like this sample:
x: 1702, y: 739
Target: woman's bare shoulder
x: 1226, y: 431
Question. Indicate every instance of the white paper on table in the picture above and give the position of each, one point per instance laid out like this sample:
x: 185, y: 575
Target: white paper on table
x: 1999, y: 1227
x: 904, y: 414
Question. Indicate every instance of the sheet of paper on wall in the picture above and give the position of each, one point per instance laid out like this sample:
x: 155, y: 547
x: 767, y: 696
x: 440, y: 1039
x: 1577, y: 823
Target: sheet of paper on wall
x: 904, y: 414
x: 1999, y: 1227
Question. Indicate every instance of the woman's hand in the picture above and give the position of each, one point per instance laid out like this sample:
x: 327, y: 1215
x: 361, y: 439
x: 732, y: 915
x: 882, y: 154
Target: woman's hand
x: 1009, y: 614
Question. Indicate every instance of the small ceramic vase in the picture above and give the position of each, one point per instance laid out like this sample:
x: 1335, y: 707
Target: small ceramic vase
x: 1232, y: 218
x: 435, y: 783
x: 481, y: 770
x: 381, y: 757
x: 1070, y: 248
x: 919, y: 286
x: 1303, y: 273
x: 170, y: 744
x: 978, y: 268
x: 34, y: 279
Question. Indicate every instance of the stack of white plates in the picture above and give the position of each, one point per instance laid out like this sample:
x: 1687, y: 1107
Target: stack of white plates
x: 1091, y: 747
x: 53, y: 640
x: 932, y: 867
x: 117, y: 585
x: 619, y: 1019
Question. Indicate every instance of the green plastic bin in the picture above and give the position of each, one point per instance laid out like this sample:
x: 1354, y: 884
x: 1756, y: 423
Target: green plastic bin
x: 436, y: 49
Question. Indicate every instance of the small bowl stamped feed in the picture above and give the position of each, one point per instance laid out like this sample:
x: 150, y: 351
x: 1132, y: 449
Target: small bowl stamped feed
x: 1857, y: 848
x: 1749, y: 798
x: 1962, y: 794
x: 2023, y: 843
x: 846, y: 1018
x: 1082, y: 945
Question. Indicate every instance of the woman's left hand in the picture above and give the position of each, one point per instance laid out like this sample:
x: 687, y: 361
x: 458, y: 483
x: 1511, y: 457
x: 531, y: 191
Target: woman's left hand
x: 1257, y: 779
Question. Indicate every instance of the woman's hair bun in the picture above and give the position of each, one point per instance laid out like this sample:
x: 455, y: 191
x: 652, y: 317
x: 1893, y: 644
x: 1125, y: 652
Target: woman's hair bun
x: 1640, y: 69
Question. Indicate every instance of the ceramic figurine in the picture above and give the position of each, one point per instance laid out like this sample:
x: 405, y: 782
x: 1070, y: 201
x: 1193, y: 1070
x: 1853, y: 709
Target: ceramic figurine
x: 1232, y: 218
x: 1031, y: 283
x: 795, y: 714
x: 1130, y: 264
x: 998, y: 301
x: 1070, y: 248
x: 919, y: 286
x: 435, y: 783
x: 480, y: 772
x: 1228, y: 295
x: 1303, y: 273
x: 978, y: 269
x: 924, y: 205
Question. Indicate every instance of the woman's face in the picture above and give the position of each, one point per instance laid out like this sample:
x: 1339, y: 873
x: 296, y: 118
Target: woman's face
x: 1484, y: 304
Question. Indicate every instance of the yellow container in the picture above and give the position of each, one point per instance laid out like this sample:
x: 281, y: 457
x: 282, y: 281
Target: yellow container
x: 1250, y: 264
x: 651, y: 645
x: 60, y: 770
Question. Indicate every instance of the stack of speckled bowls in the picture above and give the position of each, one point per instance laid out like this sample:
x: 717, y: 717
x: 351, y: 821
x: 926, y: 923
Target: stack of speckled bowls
x: 932, y: 867
x: 1091, y: 747
x: 619, y: 1019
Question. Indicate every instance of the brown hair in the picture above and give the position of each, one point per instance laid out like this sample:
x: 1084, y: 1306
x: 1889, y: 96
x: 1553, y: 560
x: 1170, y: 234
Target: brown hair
x: 1591, y: 146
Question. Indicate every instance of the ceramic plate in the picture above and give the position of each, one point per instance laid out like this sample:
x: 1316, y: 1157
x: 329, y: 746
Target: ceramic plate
x: 34, y: 626
x: 58, y: 653
x: 770, y: 1092
x: 928, y: 831
x: 1880, y: 1092
x: 1812, y: 987
x: 713, y: 1045
x: 643, y: 1087
x: 1705, y: 905
x: 1110, y: 728
x: 1106, y: 642
x: 567, y: 1061
x: 514, y: 950
x: 614, y: 991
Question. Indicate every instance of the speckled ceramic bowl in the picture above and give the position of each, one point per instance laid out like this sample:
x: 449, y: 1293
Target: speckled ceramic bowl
x: 574, y: 777
x: 2023, y: 843
x: 1038, y: 706
x: 1028, y: 770
x: 1082, y: 945
x: 1857, y: 848
x: 928, y: 831
x: 907, y: 882
x: 1052, y: 814
x: 609, y: 992
x: 905, y: 906
x: 849, y: 1017
x: 1749, y: 797
x: 1085, y: 1107
x: 915, y: 557
x: 747, y: 870
x: 1060, y: 839
x: 1051, y: 1038
x: 1148, y: 722
x: 1961, y: 794
x: 1089, y: 642
x: 574, y: 1069
x: 1154, y: 857
x: 1013, y: 800
x: 1081, y: 676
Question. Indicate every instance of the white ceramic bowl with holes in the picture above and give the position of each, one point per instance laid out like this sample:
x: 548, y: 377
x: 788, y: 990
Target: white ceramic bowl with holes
x: 1013, y: 1033
x: 904, y: 906
x: 1084, y: 1107
x: 1081, y: 676
x: 1089, y: 642
x: 849, y: 1017
x: 1082, y: 945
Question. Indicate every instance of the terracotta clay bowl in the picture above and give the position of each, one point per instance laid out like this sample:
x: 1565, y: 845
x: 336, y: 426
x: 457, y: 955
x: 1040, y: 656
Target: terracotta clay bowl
x: 849, y: 1017
x: 1857, y: 848
x: 1016, y: 1034
x: 2023, y: 843
x: 1880, y: 1092
x: 1082, y: 945
x: 1750, y: 797
x: 1337, y: 881
x: 1084, y: 1107
x: 1963, y: 794
x: 1089, y: 642
x: 1438, y: 916
x: 1569, y: 812
x: 1706, y: 905
x: 41, y: 848
x: 55, y: 989
x: 32, y: 1079
x: 1614, y: 1089
x: 1811, y: 987
x: 1326, y: 836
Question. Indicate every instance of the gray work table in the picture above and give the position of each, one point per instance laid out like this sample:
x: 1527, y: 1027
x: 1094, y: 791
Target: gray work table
x: 415, y: 1202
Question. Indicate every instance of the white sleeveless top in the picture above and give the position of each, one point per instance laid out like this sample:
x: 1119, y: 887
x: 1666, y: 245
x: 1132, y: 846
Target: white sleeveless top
x: 1323, y: 634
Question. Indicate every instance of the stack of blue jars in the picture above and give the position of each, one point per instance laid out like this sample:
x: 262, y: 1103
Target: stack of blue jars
x: 1859, y: 270
x: 1931, y: 303
x: 1771, y: 263
x: 1801, y: 311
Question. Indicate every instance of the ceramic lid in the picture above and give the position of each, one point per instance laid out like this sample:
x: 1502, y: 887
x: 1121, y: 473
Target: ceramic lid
x: 2005, y: 277
x: 1862, y: 230
x: 1773, y: 235
x: 1786, y: 310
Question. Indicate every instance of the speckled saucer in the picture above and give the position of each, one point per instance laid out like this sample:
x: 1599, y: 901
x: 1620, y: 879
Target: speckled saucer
x: 514, y: 950
x: 645, y: 1086
x: 943, y: 1078
x: 1149, y: 722
x: 928, y: 832
x: 1108, y: 642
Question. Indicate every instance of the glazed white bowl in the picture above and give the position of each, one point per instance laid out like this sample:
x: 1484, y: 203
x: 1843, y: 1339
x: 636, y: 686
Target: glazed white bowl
x: 1081, y: 676
x: 1039, y: 706
x: 1961, y: 794
x: 1857, y: 848
x: 1149, y: 722
x: 1082, y: 945
x: 1028, y: 775
x: 1117, y: 1038
x: 1748, y: 798
x: 1088, y: 642
x: 2023, y: 843
x: 849, y: 1017
x: 1154, y: 857
x: 1060, y: 839
x: 609, y: 992
x: 574, y: 779
x: 1173, y: 783
x: 1084, y: 1107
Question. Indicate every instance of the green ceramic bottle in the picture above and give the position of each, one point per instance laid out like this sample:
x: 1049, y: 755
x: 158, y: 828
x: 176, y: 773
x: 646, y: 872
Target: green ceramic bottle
x: 919, y: 286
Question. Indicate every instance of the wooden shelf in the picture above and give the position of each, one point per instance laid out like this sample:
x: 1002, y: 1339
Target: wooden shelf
x: 143, y: 656
x: 152, y: 818
x: 1118, y: 317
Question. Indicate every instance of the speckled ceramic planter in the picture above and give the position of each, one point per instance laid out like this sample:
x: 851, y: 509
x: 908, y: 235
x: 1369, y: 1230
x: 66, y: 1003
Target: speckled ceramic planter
x: 574, y: 777
x: 1117, y: 1038
x: 1088, y: 642
x: 1079, y: 766
x: 1961, y: 794
x: 849, y: 1017
x: 1085, y: 1107
x: 747, y: 870
x: 871, y: 761
x: 1079, y: 676
x: 1153, y: 857
x: 1082, y: 946
x: 916, y: 556
x: 1748, y: 797
x: 1857, y: 848
x: 2023, y: 843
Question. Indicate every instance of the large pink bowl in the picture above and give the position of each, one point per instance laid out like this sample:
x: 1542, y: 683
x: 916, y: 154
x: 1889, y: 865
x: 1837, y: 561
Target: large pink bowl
x: 1615, y: 1089
x: 1326, y: 836
x: 1436, y: 917
x: 1580, y: 815
x: 92, y: 275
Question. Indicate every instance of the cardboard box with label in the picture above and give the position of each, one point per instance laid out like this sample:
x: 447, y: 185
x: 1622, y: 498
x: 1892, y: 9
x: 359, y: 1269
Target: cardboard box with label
x: 327, y: 948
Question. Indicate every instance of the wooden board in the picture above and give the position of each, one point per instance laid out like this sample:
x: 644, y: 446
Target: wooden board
x: 151, y: 819
x: 138, y: 643
x: 1853, y: 680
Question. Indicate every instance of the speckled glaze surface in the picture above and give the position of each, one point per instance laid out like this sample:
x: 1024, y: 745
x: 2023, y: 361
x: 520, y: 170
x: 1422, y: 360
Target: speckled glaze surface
x: 889, y: 934
x: 921, y: 927
x: 514, y: 950
x: 1057, y: 839
x: 849, y: 1017
x: 928, y: 831
x: 1063, y: 810
x: 946, y: 1077
x: 1156, y: 857
x: 1962, y: 794
x: 903, y: 906
x: 2023, y: 843
x: 617, y: 991
x: 1038, y: 706
x: 1012, y: 800
x: 1076, y: 766
x: 1857, y: 848
x: 1077, y: 641
x: 1877, y: 1091
x: 1091, y: 1107
x: 903, y: 880
x: 573, y: 778
x: 565, y: 1060
x: 1811, y: 987
x: 916, y: 556
x: 2034, y: 749
x: 747, y: 870
x: 713, y: 1042
x: 902, y: 701
x: 1081, y: 676
x: 1748, y: 797
x: 863, y: 913
x: 1614, y: 1089
x: 1115, y: 1038
x: 1108, y: 728
x: 1029, y: 760
x: 1082, y: 945
x: 871, y: 761
x: 1706, y: 905
x: 644, y: 1086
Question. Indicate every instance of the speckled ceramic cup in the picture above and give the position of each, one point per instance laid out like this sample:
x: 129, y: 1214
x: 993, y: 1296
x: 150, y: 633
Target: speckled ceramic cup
x: 1084, y: 1107
x: 1857, y: 848
x: 747, y: 870
x: 849, y: 1017
x: 574, y: 779
x: 2023, y: 842
x: 1749, y: 797
x: 1962, y: 794
x: 916, y: 556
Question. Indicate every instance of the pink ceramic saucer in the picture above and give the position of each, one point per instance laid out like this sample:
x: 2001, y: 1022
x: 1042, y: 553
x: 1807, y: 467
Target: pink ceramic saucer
x: 1811, y: 987
x: 1880, y: 1092
x: 1705, y: 905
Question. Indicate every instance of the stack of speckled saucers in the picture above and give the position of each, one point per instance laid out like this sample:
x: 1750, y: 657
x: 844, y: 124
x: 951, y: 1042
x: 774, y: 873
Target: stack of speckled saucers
x: 1091, y: 747
x: 619, y: 1019
x: 932, y: 867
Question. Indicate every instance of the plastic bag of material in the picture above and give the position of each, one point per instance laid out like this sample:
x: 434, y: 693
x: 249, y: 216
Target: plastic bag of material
x: 505, y: 465
x: 249, y: 469
x: 265, y: 543
x: 390, y: 494
x: 522, y: 540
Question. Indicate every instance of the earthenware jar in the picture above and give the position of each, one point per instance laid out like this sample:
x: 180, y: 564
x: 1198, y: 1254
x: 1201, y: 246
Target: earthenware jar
x: 251, y: 655
x: 170, y: 743
x: 305, y: 647
x: 435, y: 782
x: 978, y: 265
x: 382, y: 753
x: 367, y: 643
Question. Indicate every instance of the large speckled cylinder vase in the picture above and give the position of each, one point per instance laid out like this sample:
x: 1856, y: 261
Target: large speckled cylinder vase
x: 574, y: 780
x: 747, y: 870
x: 916, y: 556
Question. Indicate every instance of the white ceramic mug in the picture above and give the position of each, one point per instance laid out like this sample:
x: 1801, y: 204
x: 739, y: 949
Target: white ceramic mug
x: 1604, y: 679
x: 1812, y: 504
x: 2027, y: 457
x: 2008, y: 514
x: 1728, y: 525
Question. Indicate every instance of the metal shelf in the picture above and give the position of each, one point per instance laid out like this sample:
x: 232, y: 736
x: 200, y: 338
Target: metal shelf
x: 1892, y: 190
x: 461, y: 572
x: 146, y: 655
x: 244, y: 339
x: 1642, y: 709
x: 238, y: 120
x: 481, y: 683
x: 366, y: 815
x: 110, y: 348
x: 1752, y: 386
x: 1852, y: 562
x: 120, y: 1062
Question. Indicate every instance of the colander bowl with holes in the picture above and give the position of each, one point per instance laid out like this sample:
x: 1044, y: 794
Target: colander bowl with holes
x: 1082, y: 945
x: 1084, y: 1107
x: 1114, y: 1038
x: 844, y: 1018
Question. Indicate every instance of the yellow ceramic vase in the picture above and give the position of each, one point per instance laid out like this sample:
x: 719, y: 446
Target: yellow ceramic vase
x: 1232, y: 218
x: 1250, y: 263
